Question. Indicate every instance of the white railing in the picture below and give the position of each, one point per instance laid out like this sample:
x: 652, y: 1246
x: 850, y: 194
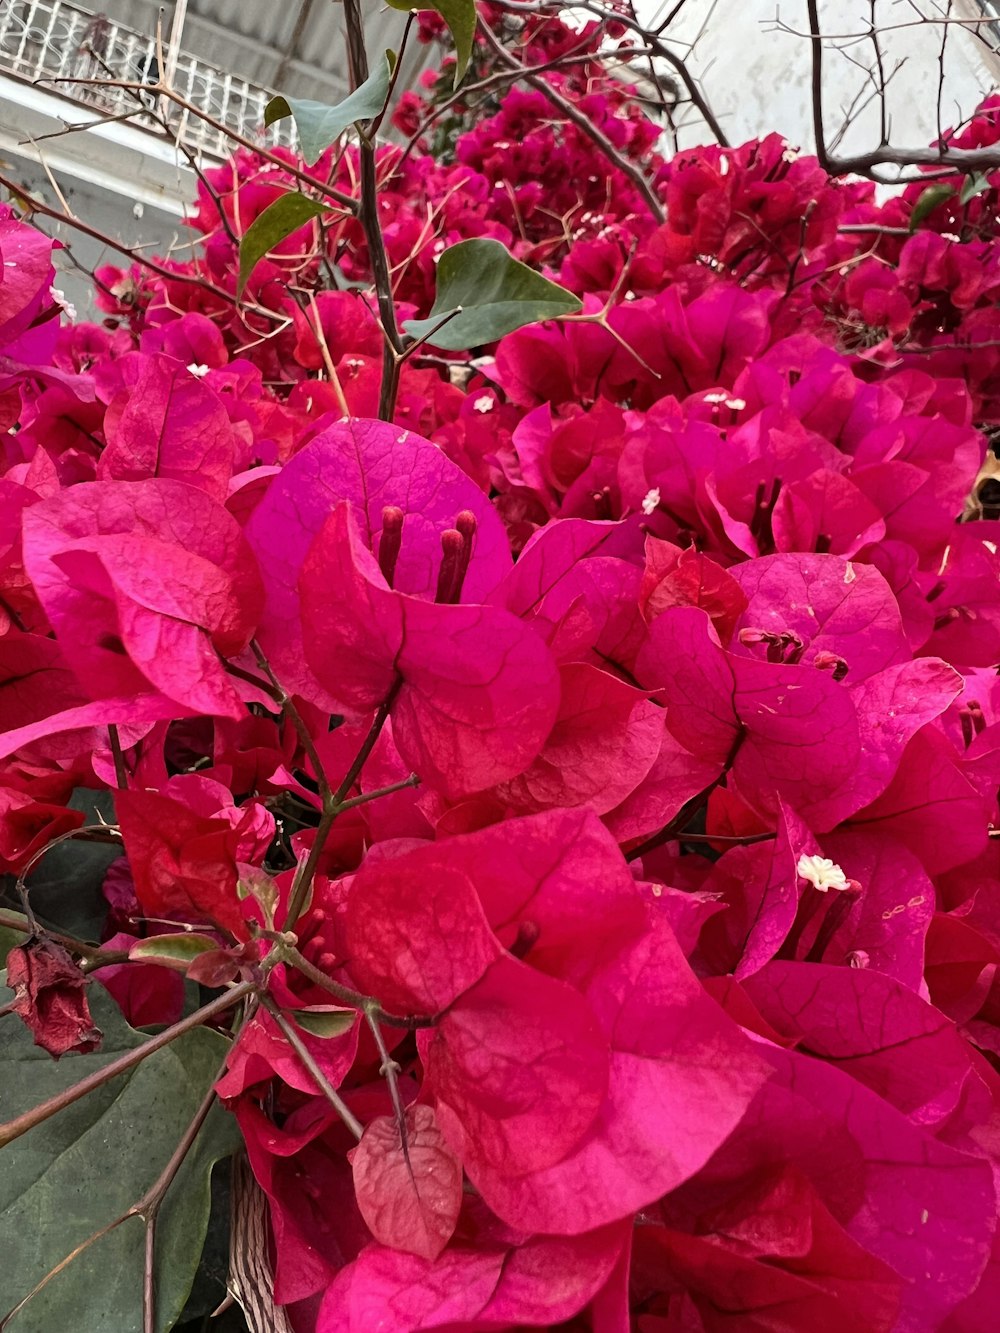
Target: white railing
x: 58, y: 43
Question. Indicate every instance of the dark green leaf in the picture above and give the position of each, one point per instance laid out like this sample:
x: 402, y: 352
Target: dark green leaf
x: 277, y: 221
x: 975, y: 184
x: 325, y: 1021
x: 319, y: 125
x: 493, y: 293
x: 65, y: 886
x: 460, y: 16
x: 928, y: 201
x: 73, y: 1174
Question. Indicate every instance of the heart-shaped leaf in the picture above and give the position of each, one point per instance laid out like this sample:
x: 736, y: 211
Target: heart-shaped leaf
x: 86, y: 1166
x: 460, y: 16
x: 928, y: 201
x: 277, y: 221
x: 483, y: 292
x: 319, y: 125
x: 977, y: 182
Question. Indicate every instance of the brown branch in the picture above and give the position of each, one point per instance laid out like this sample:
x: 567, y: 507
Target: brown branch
x: 392, y: 343
x: 121, y: 772
x: 652, y: 37
x: 160, y: 89
x: 136, y: 256
x: 864, y: 164
x: 13, y: 1129
x: 323, y: 1084
x: 581, y: 120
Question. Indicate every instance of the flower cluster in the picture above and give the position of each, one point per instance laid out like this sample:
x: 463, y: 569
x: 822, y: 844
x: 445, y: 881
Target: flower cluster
x: 597, y: 766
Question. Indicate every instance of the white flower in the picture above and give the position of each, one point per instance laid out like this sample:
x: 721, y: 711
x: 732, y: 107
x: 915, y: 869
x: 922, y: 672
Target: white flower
x: 199, y: 372
x: 718, y: 396
x: 822, y: 873
x: 483, y: 404
x: 69, y: 309
x: 651, y: 501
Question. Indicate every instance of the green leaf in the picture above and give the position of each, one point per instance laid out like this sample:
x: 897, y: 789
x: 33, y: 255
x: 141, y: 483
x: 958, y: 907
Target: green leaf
x: 65, y: 885
x: 175, y: 951
x: 928, y: 201
x: 976, y: 183
x: 73, y: 1174
x: 257, y: 884
x: 325, y: 1020
x: 277, y: 221
x: 8, y: 939
x: 494, y: 294
x: 320, y: 125
x: 460, y: 16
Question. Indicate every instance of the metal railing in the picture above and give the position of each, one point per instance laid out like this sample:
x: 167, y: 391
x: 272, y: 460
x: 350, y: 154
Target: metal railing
x: 59, y: 42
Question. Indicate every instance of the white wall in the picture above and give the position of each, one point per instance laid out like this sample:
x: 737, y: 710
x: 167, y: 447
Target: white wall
x: 757, y: 78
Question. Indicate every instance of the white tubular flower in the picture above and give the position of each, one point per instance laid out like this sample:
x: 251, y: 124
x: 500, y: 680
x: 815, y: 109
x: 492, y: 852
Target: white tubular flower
x: 822, y: 873
x: 651, y: 501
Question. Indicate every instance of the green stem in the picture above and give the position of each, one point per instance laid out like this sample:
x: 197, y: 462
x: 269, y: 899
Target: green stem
x: 353, y: 999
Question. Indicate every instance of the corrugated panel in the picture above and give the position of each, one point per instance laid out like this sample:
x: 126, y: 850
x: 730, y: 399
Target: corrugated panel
x: 250, y: 38
x: 267, y: 29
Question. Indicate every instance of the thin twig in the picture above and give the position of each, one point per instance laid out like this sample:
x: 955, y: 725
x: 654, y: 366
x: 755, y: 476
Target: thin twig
x: 121, y: 772
x: 312, y: 1068
x: 581, y: 120
x: 389, y: 1070
x: 13, y: 1129
x: 368, y: 213
x: 351, y: 998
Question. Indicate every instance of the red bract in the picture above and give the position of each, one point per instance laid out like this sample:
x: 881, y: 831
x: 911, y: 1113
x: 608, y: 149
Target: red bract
x: 166, y: 422
x: 146, y: 583
x: 372, y: 466
x: 472, y: 692
x: 183, y: 849
x: 409, y: 1190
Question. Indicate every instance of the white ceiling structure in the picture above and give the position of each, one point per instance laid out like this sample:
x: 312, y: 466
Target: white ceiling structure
x: 295, y: 48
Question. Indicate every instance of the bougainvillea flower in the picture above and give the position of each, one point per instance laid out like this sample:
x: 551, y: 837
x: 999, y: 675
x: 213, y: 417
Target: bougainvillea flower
x: 877, y: 1030
x: 28, y: 310
x: 773, y: 1257
x: 183, y: 845
x: 495, y: 1282
x: 678, y: 920
x: 146, y: 583
x: 472, y: 692
x: 686, y: 577
x: 913, y: 1202
x: 605, y: 739
x: 166, y: 422
x: 761, y: 887
x: 594, y: 937
x: 373, y: 466
x: 576, y: 583
x: 798, y: 731
x: 409, y: 1192
x: 832, y: 605
x: 28, y: 824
